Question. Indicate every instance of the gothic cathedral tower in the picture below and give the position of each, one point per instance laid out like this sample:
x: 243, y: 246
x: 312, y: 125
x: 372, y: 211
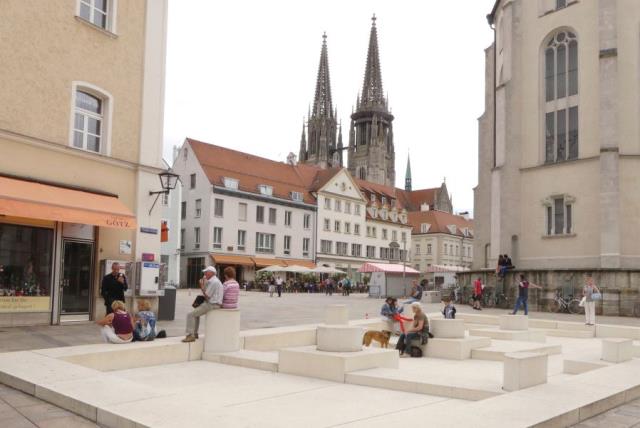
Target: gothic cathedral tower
x: 371, y: 150
x: 322, y: 149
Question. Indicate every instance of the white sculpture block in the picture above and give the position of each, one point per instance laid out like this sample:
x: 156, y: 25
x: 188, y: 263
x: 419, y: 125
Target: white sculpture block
x: 617, y: 350
x: 514, y: 322
x: 337, y: 315
x: 447, y: 329
x: 222, y: 330
x: 523, y: 370
x: 454, y: 349
x: 339, y: 338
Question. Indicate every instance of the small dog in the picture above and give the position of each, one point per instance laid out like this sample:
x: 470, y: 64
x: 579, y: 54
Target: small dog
x: 379, y: 336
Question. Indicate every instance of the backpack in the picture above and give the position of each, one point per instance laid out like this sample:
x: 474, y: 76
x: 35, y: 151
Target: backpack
x: 415, y: 352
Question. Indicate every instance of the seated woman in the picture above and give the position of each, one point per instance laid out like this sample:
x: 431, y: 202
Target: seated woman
x: 117, y: 327
x: 419, y: 330
x: 392, y: 313
x: 145, y: 323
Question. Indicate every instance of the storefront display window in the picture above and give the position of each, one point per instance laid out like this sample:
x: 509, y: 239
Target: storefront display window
x: 25, y: 268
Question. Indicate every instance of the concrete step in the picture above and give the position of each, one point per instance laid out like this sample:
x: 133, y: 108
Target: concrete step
x: 579, y: 334
x: 499, y: 348
x: 521, y: 335
x: 267, y: 361
x: 575, y: 367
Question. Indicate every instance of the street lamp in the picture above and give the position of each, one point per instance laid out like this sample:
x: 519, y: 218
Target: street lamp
x: 168, y: 181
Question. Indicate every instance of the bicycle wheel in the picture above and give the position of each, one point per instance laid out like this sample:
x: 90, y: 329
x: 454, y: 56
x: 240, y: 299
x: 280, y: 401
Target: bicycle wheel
x: 489, y: 302
x: 555, y: 306
x: 575, y: 308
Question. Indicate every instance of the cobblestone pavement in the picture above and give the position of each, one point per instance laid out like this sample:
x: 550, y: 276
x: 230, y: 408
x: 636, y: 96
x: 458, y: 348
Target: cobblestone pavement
x: 258, y: 311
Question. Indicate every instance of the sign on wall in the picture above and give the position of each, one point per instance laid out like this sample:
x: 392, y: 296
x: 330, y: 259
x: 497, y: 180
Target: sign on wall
x: 24, y: 303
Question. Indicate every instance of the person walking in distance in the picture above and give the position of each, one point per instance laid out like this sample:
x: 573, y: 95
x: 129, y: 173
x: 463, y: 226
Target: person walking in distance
x: 213, y: 292
x: 523, y: 294
x: 279, y: 286
x: 477, y: 294
x: 588, y: 291
x: 114, y: 284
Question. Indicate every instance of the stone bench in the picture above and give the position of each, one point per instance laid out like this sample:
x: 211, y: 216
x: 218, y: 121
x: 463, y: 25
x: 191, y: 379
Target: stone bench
x: 447, y: 329
x: 514, y: 322
x: 451, y: 348
x: 523, y: 370
x: 617, y: 350
x: 339, y: 338
x: 222, y: 330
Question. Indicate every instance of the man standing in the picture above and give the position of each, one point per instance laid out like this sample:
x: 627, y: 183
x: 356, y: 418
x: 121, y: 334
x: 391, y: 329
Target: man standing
x: 523, y: 295
x: 213, y: 292
x: 477, y: 294
x: 279, y: 286
x: 113, y: 287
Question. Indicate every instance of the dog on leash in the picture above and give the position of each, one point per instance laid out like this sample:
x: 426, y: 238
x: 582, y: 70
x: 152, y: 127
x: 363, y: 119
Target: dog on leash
x: 379, y: 336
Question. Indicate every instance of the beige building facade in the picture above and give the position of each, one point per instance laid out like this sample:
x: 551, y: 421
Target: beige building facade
x: 559, y: 142
x: 82, y: 85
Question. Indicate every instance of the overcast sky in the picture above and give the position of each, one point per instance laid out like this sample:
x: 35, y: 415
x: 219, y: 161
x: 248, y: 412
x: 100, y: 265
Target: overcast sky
x: 241, y: 74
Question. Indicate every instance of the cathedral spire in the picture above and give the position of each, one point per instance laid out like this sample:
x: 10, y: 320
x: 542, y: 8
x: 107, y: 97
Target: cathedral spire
x: 322, y: 105
x: 407, y: 177
x: 372, y: 93
x: 303, y: 145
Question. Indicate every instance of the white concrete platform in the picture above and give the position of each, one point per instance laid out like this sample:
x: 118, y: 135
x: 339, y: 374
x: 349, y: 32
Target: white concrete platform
x: 575, y: 367
x: 617, y: 350
x: 454, y: 349
x: 309, y: 361
x: 339, y: 338
x: 513, y: 322
x: 521, y: 335
x: 499, y: 348
x: 447, y: 329
x: 267, y: 361
x: 524, y: 370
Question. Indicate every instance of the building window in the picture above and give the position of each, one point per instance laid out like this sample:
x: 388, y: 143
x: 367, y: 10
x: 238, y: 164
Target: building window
x: 446, y: 249
x: 559, y: 213
x: 384, y: 253
x: 457, y: 250
x: 305, y: 247
x: 403, y: 236
x: 307, y: 221
x: 183, y: 210
x: 287, y: 245
x: 336, y: 226
x: 287, y: 218
x: 356, y: 250
x: 342, y: 248
x: 417, y: 249
x: 327, y: 203
x: 561, y: 96
x: 296, y: 196
x: 561, y: 4
x: 196, y: 238
x: 373, y: 197
x: 192, y: 181
x: 272, y: 216
x: 383, y: 214
x: 369, y: 231
x: 347, y: 207
x: 97, y: 12
x: 428, y: 248
x: 265, y: 190
x: 356, y: 209
x: 242, y: 211
x: 356, y: 229
x: 198, y: 208
x: 363, y: 171
x: 327, y: 224
x: 259, y: 214
x: 182, y: 239
x: 371, y: 252
x: 264, y: 242
x: 88, y: 124
x: 194, y: 269
x: 218, y: 207
x: 374, y: 232
x: 347, y: 227
x: 242, y: 239
x: 217, y: 237
x: 384, y: 234
x: 326, y: 246
x: 338, y: 205
x: 394, y: 235
x: 230, y: 183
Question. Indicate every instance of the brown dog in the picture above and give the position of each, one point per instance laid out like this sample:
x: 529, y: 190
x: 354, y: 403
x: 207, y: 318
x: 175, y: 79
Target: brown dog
x: 379, y: 336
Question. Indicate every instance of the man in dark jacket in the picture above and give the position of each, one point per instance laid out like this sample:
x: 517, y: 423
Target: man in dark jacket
x: 113, y: 287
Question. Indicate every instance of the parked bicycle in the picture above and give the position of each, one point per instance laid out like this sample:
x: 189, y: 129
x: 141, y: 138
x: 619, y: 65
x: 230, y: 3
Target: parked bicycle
x: 570, y: 305
x: 492, y: 299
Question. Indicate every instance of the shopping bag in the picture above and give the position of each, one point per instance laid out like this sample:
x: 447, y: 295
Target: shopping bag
x: 596, y: 296
x: 582, y: 301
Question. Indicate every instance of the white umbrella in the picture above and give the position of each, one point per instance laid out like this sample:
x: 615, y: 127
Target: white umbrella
x: 273, y: 268
x: 324, y: 269
x: 296, y: 269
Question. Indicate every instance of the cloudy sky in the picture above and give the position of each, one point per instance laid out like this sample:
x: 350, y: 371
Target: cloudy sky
x: 242, y: 73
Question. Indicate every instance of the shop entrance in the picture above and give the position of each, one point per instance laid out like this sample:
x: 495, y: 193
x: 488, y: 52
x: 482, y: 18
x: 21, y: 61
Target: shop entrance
x: 77, y: 274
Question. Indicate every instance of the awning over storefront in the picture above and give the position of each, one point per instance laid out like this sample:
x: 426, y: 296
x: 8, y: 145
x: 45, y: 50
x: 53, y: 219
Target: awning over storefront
x: 262, y: 262
x: 29, y: 199
x: 300, y: 262
x: 228, y: 259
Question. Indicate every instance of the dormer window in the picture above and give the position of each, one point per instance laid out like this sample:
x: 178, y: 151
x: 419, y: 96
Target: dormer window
x: 373, y: 197
x: 230, y: 183
x: 383, y: 200
x: 393, y: 202
x: 296, y: 196
x: 452, y: 228
x: 394, y: 216
x: 374, y: 212
x: 265, y: 190
x: 424, y: 227
x: 383, y: 214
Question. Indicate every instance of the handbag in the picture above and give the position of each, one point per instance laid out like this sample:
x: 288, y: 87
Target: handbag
x: 198, y: 301
x: 596, y: 296
x: 582, y: 302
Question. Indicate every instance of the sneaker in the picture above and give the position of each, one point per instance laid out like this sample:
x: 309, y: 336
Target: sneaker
x: 189, y: 338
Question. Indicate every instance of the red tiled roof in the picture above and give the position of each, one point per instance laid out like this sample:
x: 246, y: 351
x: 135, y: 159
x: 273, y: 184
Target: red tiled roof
x: 439, y: 220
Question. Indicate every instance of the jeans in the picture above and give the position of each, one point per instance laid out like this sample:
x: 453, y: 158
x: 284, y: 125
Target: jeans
x: 521, y: 301
x: 193, y: 317
x: 407, y: 339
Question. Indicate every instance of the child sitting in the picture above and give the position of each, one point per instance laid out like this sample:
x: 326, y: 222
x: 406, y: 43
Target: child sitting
x: 145, y: 323
x: 449, y: 310
x: 391, y: 312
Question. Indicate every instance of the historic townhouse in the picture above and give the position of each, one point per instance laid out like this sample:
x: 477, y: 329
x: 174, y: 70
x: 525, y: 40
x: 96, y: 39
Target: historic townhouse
x: 81, y: 121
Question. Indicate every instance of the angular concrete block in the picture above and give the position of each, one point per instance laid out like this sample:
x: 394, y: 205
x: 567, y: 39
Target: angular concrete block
x: 523, y: 370
x: 308, y: 361
x: 339, y: 338
x: 478, y: 319
x: 514, y: 322
x: 454, y: 349
x: 273, y: 339
x: 447, y: 329
x: 617, y: 331
x: 536, y: 323
x: 267, y: 361
x: 617, y: 350
x: 336, y: 315
x: 432, y: 296
x: 578, y: 367
x: 222, y: 332
x: 500, y: 348
x: 522, y: 335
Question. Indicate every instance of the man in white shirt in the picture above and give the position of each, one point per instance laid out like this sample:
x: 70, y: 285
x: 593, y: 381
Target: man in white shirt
x: 212, y: 291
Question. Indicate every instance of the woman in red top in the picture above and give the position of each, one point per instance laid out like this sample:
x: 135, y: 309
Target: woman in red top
x: 117, y: 327
x: 477, y: 294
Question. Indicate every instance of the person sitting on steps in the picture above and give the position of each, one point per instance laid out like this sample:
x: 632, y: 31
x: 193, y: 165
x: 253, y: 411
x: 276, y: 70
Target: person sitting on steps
x: 392, y: 313
x: 213, y: 292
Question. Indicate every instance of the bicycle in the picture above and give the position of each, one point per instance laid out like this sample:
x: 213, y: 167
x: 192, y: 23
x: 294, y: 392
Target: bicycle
x: 570, y: 305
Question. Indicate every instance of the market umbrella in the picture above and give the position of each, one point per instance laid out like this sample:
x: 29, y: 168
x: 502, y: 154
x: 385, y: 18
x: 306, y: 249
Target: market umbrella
x: 273, y: 268
x: 296, y: 269
x: 325, y: 269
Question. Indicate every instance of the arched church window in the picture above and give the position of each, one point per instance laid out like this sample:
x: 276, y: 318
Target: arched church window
x: 561, y: 97
x: 363, y: 173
